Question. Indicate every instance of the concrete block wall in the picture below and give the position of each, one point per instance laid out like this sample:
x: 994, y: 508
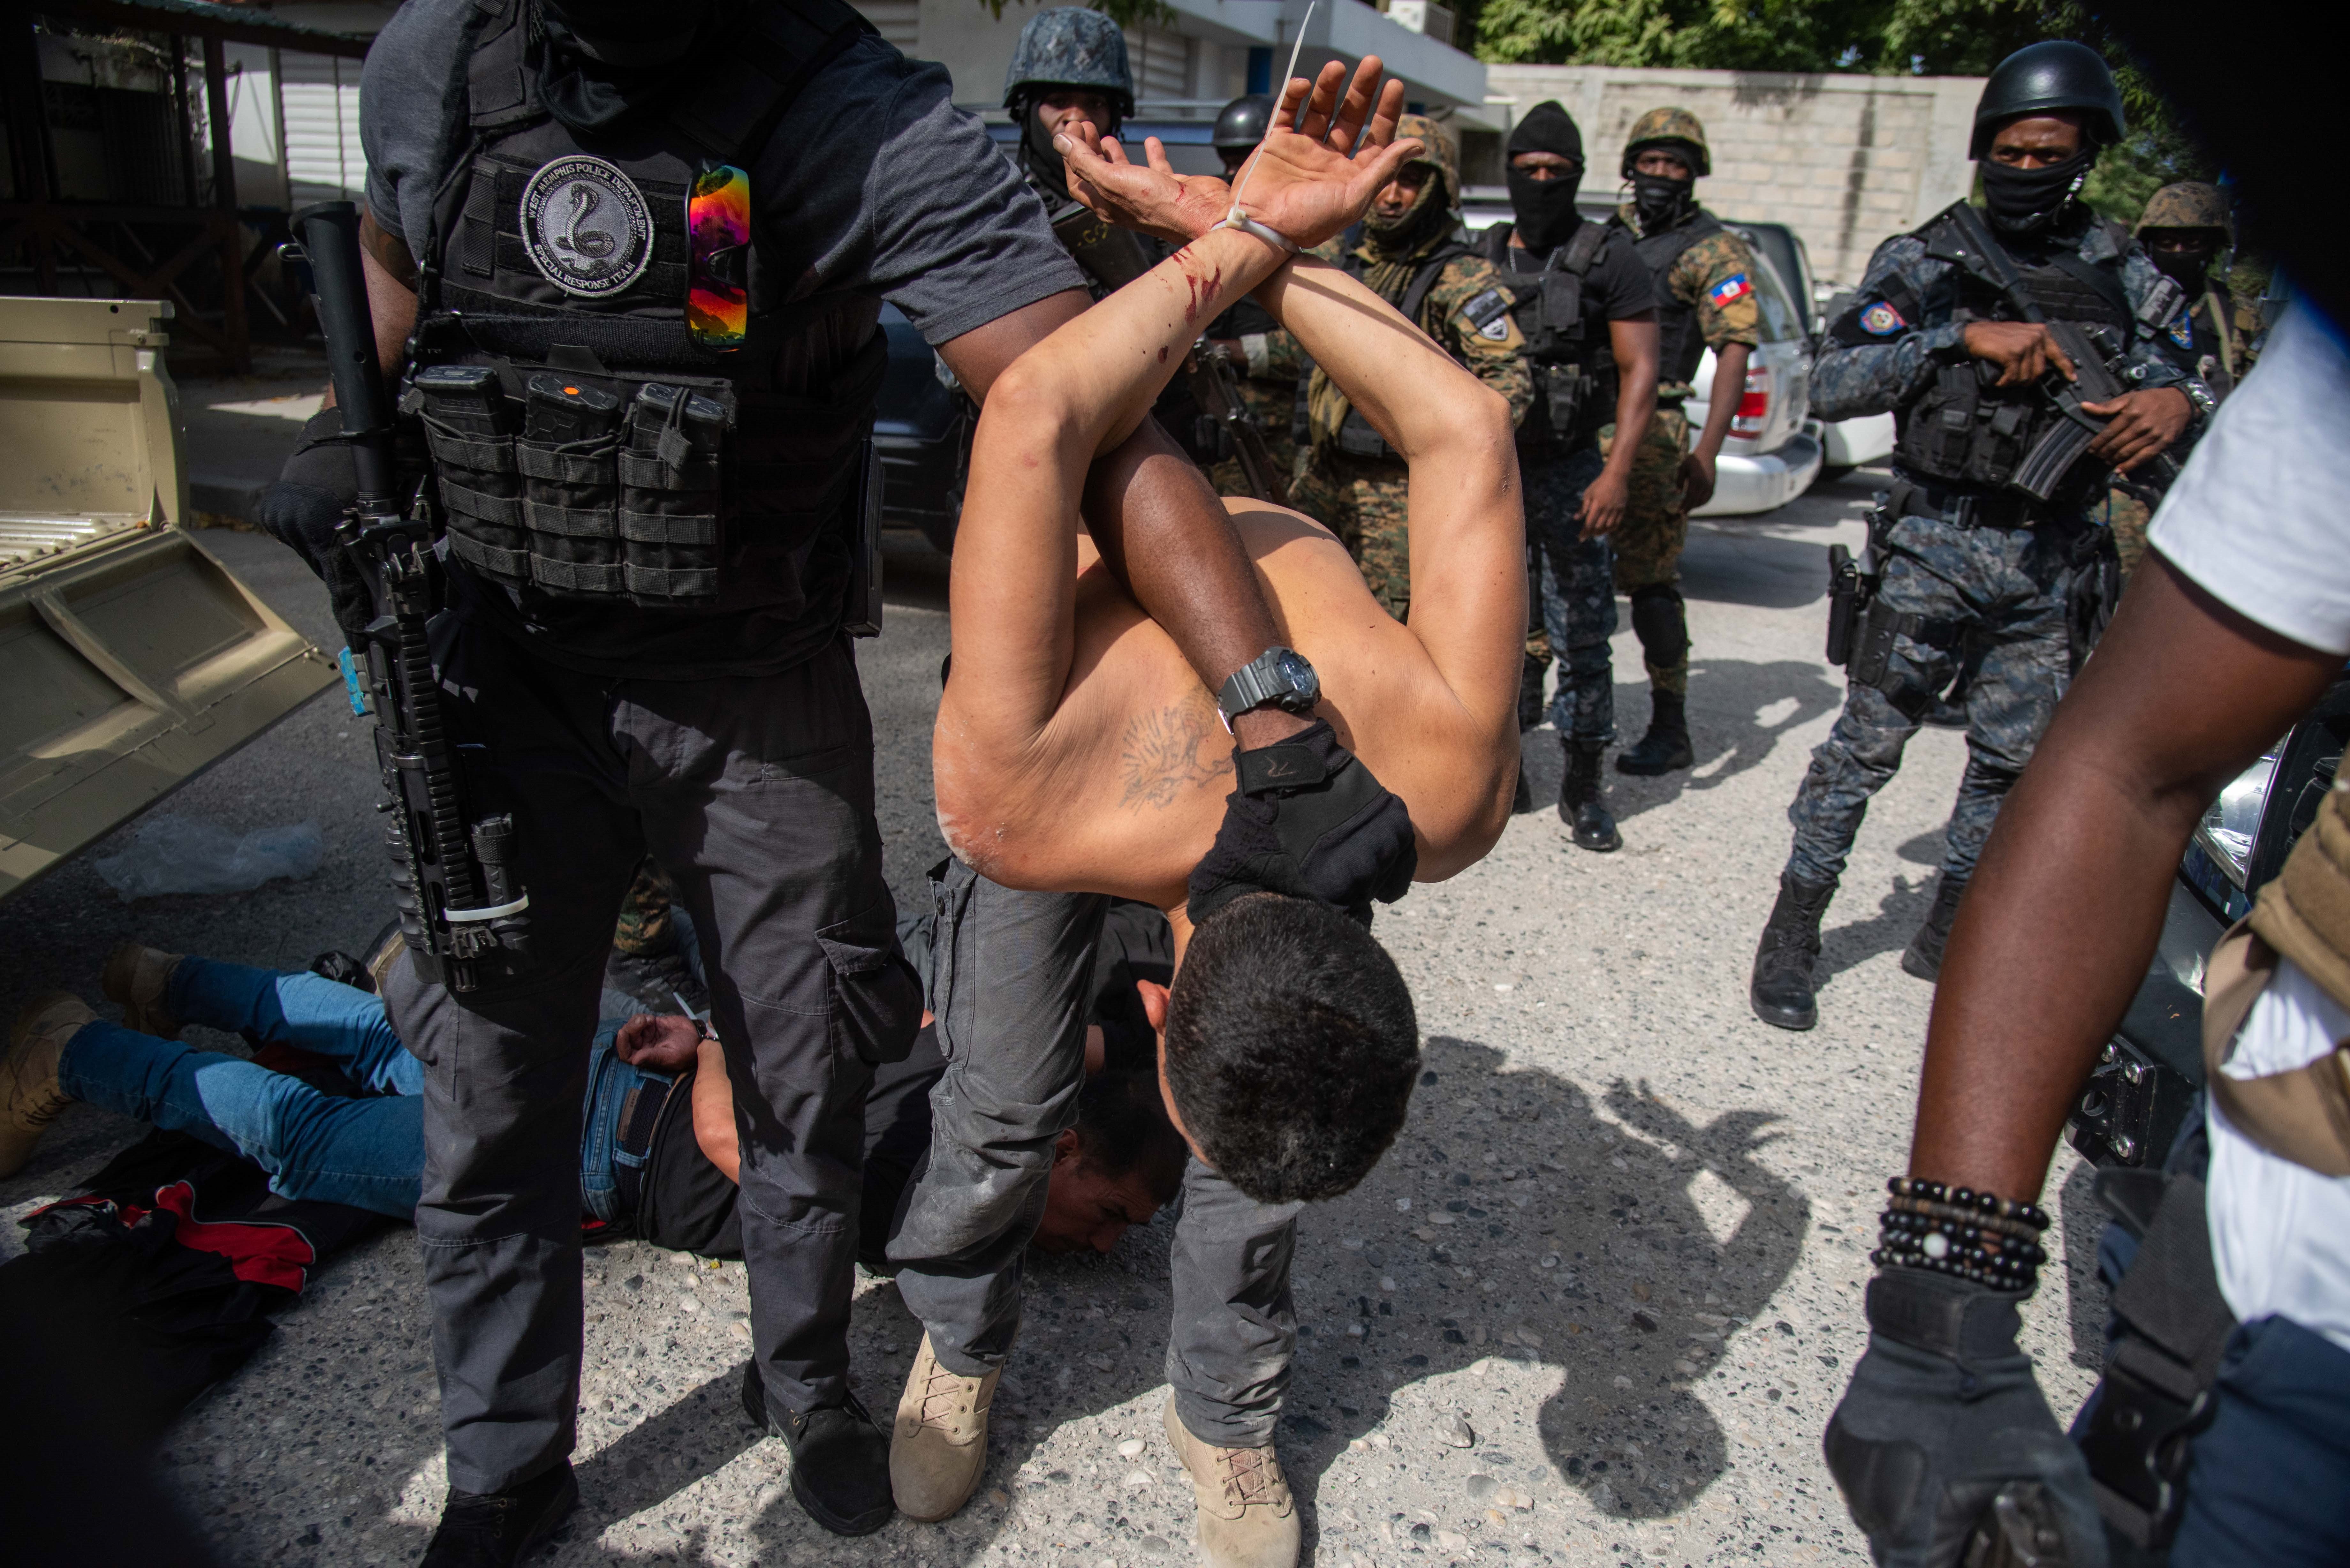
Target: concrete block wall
x: 1844, y: 160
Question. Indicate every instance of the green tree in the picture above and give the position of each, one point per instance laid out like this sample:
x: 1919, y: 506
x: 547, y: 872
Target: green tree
x: 1887, y: 37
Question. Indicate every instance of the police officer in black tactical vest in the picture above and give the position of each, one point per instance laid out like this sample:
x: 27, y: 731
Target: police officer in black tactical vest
x: 1968, y: 561
x: 628, y: 262
x: 1589, y: 312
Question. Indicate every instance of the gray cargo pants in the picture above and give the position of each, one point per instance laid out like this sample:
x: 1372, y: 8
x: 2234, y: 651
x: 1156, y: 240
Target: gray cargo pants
x: 756, y: 795
x: 1008, y: 978
x: 1999, y: 592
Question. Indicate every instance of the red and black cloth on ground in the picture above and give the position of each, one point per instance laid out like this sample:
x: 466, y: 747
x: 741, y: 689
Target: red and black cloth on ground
x: 170, y: 1265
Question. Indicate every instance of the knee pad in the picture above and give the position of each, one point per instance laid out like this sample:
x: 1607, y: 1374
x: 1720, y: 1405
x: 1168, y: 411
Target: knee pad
x: 1659, y: 619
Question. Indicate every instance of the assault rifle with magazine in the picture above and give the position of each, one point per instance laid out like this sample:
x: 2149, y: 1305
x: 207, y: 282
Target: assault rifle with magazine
x: 2045, y: 466
x: 458, y: 876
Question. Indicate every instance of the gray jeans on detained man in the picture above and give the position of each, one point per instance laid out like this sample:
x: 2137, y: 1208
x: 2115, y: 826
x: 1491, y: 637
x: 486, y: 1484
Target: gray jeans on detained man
x: 756, y: 794
x: 1008, y: 978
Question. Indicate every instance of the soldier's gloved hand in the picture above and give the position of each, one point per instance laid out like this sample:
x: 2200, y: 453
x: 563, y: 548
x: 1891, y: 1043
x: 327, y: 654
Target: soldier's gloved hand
x: 1307, y: 820
x: 302, y: 508
x: 1943, y: 1429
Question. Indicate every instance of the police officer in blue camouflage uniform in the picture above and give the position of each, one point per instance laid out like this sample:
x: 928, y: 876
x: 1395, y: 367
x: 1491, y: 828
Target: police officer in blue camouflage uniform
x: 1966, y: 565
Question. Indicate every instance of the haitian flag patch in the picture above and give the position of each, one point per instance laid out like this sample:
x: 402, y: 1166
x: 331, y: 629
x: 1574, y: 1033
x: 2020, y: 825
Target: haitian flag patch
x: 1881, y: 320
x: 1730, y: 290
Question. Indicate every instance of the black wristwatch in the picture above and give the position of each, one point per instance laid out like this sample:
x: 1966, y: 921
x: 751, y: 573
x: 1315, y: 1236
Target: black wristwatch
x: 1279, y: 676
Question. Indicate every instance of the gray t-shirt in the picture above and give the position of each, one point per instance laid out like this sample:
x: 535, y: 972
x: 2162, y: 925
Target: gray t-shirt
x: 877, y: 184
x: 894, y: 190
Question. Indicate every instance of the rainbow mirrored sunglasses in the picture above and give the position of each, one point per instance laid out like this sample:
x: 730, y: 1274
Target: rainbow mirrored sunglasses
x: 718, y: 235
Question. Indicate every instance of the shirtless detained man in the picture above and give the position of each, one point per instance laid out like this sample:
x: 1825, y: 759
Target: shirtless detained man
x: 1078, y: 755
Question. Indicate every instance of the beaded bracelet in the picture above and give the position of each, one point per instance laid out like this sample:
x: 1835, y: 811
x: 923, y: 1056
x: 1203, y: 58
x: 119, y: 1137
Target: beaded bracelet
x: 1974, y: 1235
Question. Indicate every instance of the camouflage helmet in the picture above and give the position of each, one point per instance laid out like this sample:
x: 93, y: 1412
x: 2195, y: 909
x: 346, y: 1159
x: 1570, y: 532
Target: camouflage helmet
x: 2188, y: 205
x: 1069, y: 46
x: 1673, y: 129
x: 1440, y: 155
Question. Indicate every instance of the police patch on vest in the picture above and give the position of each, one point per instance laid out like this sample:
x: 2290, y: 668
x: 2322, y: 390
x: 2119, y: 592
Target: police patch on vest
x: 1489, y: 313
x: 2182, y: 332
x: 586, y: 227
x: 1881, y: 320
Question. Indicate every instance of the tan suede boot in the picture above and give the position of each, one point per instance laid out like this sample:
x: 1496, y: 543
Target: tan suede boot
x: 136, y: 980
x: 937, y: 1449
x: 1247, y: 1517
x: 29, y: 1096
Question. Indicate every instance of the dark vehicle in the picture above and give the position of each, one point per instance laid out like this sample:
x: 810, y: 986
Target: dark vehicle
x: 921, y: 425
x: 923, y: 421
x: 2149, y: 1073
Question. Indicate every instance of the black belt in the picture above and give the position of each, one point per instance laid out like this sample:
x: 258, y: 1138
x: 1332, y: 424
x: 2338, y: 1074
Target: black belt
x: 641, y: 1116
x: 1960, y: 508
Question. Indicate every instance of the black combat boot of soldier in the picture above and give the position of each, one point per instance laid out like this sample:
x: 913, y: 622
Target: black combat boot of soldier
x: 840, y: 1458
x: 1782, y: 992
x: 494, y: 1528
x: 1924, y: 957
x: 1578, y: 798
x: 1666, y: 746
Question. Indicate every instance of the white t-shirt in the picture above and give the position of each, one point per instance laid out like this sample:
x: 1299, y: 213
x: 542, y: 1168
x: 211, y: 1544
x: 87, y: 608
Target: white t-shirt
x: 2260, y: 520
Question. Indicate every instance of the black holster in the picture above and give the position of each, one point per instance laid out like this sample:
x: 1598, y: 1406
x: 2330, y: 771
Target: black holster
x: 2174, y: 1328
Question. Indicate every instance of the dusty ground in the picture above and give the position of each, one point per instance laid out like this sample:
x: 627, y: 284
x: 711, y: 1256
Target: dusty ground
x: 1622, y: 1240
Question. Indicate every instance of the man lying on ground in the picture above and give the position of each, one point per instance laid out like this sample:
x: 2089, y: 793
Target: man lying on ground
x: 1078, y: 755
x: 658, y: 1145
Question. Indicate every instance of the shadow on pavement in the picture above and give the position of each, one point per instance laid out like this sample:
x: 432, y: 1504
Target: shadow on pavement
x: 1899, y: 912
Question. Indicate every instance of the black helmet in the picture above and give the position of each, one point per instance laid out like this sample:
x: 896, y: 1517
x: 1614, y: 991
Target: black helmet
x: 1069, y: 46
x: 1243, y: 122
x: 2054, y: 74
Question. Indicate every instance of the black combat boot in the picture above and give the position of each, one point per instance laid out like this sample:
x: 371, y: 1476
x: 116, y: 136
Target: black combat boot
x: 1666, y: 746
x: 494, y: 1528
x: 1782, y: 993
x: 840, y: 1458
x: 1924, y: 957
x: 1578, y: 798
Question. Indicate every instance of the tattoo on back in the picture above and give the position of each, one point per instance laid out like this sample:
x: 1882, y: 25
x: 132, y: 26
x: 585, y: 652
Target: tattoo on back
x: 1165, y: 752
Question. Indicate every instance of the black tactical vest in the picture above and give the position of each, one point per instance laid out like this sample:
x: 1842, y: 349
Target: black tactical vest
x: 1681, y: 346
x: 685, y: 477
x: 1568, y: 350
x: 1965, y: 431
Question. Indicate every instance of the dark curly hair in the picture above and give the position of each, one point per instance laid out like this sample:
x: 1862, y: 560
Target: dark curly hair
x: 1292, y: 1047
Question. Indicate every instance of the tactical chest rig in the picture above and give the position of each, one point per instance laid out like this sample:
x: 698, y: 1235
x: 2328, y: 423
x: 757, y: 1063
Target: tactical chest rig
x: 674, y: 473
x: 1680, y: 344
x: 1356, y: 436
x: 1964, y: 429
x: 1571, y: 356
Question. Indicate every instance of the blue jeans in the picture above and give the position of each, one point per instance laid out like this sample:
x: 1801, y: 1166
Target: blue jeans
x: 368, y: 1153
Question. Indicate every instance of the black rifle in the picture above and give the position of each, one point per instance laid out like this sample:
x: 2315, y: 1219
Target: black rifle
x: 2045, y: 465
x: 1113, y: 258
x: 458, y: 876
x: 1218, y: 393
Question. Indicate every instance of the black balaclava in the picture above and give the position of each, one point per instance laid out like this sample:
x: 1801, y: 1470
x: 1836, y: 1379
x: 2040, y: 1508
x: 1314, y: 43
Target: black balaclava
x: 1545, y: 208
x: 1661, y: 202
x: 2191, y: 267
x: 2025, y: 200
x: 1037, y: 151
x: 603, y: 60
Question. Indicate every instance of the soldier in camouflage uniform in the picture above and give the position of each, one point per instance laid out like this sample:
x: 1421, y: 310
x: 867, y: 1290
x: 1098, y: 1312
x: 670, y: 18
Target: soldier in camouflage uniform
x: 1705, y: 299
x: 1265, y: 360
x: 2187, y: 230
x: 1963, y: 561
x: 1408, y: 250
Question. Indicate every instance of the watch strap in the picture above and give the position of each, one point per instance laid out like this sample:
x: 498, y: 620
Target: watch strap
x: 1281, y: 766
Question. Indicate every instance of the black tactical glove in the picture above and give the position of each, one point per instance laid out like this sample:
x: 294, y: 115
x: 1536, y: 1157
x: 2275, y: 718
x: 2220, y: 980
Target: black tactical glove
x: 1943, y: 1430
x: 305, y: 503
x: 1308, y: 820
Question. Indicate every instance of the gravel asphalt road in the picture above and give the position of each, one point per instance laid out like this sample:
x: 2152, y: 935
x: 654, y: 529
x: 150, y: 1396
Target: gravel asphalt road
x: 1595, y: 1306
